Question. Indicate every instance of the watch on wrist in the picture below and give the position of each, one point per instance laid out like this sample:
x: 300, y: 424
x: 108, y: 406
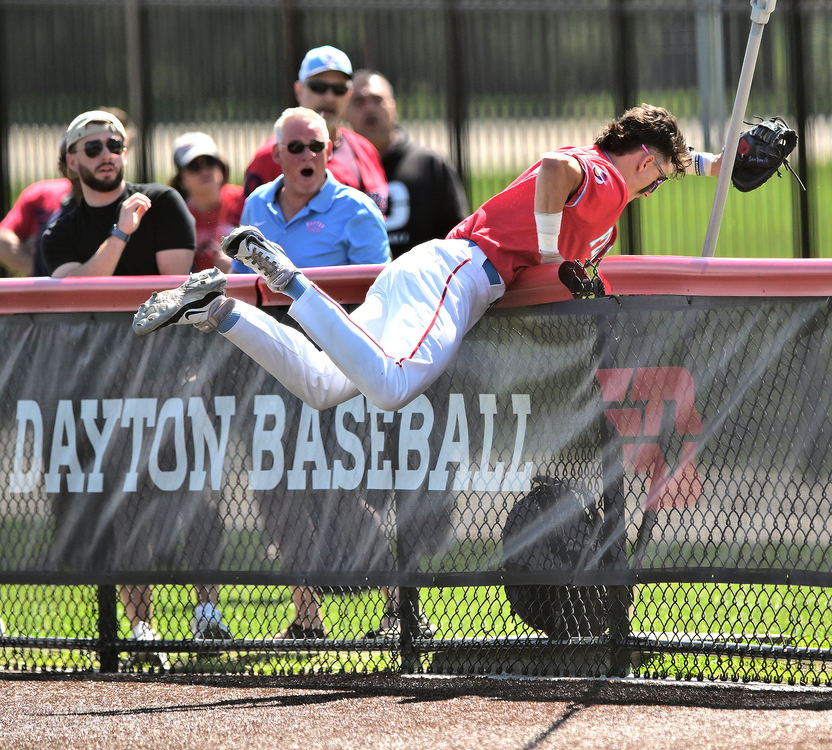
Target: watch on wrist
x: 116, y: 232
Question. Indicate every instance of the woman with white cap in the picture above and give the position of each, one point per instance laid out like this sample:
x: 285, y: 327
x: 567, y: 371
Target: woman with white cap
x: 202, y: 180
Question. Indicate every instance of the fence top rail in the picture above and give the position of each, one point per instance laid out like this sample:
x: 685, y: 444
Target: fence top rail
x: 623, y: 275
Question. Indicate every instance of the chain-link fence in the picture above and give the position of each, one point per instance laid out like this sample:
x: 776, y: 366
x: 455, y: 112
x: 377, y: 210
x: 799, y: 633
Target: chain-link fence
x: 629, y: 484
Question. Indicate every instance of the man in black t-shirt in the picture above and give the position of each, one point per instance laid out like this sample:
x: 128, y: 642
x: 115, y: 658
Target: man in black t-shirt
x: 118, y: 228
x: 425, y: 194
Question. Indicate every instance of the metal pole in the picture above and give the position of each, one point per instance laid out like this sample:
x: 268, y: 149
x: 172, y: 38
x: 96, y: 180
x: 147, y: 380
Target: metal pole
x: 760, y: 12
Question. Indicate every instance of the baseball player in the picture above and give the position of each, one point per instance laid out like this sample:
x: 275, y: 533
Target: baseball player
x: 416, y: 313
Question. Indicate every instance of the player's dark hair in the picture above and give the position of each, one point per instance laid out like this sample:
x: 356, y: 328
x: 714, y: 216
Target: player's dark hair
x: 650, y: 126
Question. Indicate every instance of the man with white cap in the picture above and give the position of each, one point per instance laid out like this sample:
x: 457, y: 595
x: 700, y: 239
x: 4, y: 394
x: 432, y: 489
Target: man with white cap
x: 118, y: 228
x: 325, y: 85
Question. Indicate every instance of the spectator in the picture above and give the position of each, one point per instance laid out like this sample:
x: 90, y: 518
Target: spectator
x: 92, y: 238
x: 202, y: 180
x: 120, y: 228
x: 74, y: 195
x: 320, y: 223
x: 426, y: 197
x: 21, y: 228
x: 34, y: 209
x: 324, y: 85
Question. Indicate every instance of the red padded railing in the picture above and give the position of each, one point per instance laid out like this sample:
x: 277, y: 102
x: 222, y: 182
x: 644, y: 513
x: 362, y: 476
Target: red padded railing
x: 656, y: 275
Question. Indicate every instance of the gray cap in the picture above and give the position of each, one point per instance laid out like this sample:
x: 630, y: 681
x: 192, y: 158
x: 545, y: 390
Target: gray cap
x: 94, y: 121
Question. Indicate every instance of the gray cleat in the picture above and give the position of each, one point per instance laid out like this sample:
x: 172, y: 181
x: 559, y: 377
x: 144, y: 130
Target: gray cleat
x: 196, y: 302
x: 252, y: 249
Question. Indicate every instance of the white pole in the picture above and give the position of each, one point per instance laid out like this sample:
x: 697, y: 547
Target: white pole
x: 760, y: 12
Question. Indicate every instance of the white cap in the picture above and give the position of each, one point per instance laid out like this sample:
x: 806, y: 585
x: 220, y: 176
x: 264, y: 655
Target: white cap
x: 189, y: 146
x: 321, y: 59
x: 94, y: 121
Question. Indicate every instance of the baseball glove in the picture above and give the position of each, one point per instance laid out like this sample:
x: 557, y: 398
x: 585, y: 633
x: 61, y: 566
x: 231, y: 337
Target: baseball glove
x: 549, y: 529
x: 582, y: 279
x: 761, y: 151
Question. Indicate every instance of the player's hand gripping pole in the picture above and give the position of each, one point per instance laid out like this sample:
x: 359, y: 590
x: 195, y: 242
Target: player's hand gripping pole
x: 760, y: 12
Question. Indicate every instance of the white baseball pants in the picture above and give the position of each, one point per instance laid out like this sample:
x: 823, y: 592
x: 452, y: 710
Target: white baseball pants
x: 391, y: 347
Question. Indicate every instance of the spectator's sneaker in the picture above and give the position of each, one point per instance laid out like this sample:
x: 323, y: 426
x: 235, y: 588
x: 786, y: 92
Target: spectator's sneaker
x: 196, y: 302
x: 143, y: 632
x: 298, y: 631
x: 252, y: 249
x: 390, y: 628
x: 208, y: 625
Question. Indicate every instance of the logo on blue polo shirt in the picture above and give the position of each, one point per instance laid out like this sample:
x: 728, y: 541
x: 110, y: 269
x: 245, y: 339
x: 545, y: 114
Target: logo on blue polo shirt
x: 315, y: 226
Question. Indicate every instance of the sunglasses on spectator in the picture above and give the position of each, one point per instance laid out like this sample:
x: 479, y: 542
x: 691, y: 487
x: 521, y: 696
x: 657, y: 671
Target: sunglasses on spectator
x: 662, y: 176
x: 94, y: 148
x: 321, y: 87
x: 296, y: 147
x: 202, y: 162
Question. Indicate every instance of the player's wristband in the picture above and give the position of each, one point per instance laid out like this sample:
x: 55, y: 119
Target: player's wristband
x: 701, y: 163
x: 548, y: 230
x: 116, y: 232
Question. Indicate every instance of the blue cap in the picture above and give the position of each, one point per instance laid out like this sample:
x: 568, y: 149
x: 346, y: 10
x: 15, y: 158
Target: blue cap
x: 321, y: 59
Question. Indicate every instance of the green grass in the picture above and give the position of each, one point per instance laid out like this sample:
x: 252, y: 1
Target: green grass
x: 801, y: 616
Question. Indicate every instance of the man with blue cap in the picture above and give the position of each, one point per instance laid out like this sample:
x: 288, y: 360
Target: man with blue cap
x: 324, y: 85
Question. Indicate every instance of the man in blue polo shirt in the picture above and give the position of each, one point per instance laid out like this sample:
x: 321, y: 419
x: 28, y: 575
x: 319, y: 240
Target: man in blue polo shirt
x: 318, y: 221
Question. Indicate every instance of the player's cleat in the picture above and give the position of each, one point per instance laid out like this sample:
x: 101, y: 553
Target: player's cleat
x: 158, y: 659
x: 208, y: 625
x: 196, y: 302
x: 252, y: 249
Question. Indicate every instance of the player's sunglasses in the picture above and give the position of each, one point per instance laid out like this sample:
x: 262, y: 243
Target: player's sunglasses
x: 202, y: 162
x: 662, y: 176
x: 94, y: 148
x: 321, y: 87
x: 296, y: 147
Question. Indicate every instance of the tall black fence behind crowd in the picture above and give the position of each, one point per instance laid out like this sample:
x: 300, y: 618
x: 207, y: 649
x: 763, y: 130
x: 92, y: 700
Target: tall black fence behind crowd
x: 492, y: 83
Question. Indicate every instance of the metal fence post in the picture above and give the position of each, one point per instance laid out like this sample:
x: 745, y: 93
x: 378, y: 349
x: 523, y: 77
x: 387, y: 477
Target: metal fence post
x: 107, y: 628
x: 629, y: 239
x: 614, y: 528
x: 5, y: 187
x: 457, y: 94
x: 138, y: 94
x: 797, y: 75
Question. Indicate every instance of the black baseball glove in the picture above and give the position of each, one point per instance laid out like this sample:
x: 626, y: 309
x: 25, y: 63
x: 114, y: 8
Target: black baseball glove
x: 582, y: 279
x: 761, y: 151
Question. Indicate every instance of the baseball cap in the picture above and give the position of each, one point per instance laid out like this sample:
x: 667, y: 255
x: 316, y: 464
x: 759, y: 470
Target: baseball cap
x: 189, y: 146
x: 94, y: 121
x: 321, y: 59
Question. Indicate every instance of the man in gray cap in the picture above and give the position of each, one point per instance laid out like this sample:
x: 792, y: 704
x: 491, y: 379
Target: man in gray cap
x: 324, y: 85
x: 118, y: 228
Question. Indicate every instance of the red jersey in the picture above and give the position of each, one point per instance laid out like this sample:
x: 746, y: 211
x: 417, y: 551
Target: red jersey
x: 504, y: 227
x: 355, y: 162
x: 213, y: 225
x: 34, y: 207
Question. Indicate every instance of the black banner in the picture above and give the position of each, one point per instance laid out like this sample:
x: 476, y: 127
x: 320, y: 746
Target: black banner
x: 682, y: 439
